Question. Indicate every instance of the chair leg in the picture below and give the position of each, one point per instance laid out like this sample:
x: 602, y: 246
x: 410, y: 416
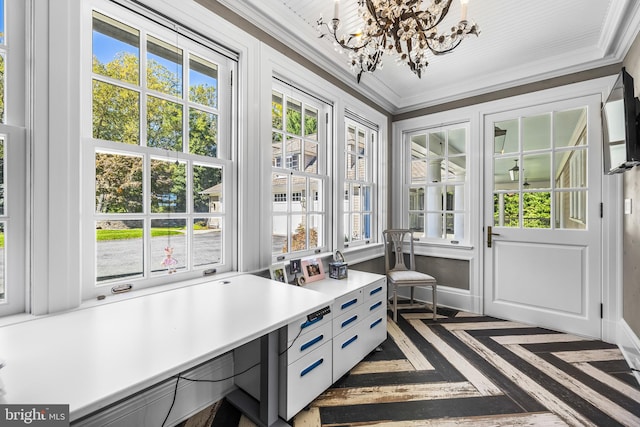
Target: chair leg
x: 395, y: 304
x: 411, y: 301
x: 433, y: 291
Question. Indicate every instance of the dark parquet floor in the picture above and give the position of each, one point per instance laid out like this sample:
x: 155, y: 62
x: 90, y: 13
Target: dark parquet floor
x: 470, y: 370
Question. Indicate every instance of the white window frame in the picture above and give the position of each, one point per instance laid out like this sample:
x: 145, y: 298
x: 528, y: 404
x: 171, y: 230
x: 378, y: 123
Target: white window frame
x: 225, y: 151
x: 463, y: 213
x: 286, y: 213
x: 345, y: 197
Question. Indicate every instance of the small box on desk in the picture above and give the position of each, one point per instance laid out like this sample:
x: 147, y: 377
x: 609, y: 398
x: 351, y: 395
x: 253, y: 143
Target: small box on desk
x: 338, y: 270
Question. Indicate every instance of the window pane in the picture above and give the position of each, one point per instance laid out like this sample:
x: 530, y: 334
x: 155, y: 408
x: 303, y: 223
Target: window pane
x: 2, y: 24
x: 351, y: 166
x: 418, y: 156
x: 279, y: 189
x: 116, y: 113
x: 504, y: 169
x: 416, y: 222
x: 276, y: 110
x: 293, y: 152
x: 315, y: 231
x: 506, y: 210
x: 568, y: 126
x: 366, y: 226
x: 116, y: 49
x: 366, y: 198
x: 3, y: 168
x: 316, y: 201
x: 207, y: 241
x: 310, y: 157
x: 164, y: 67
x: 356, y: 202
x: 168, y: 245
x: 294, y: 116
x: 276, y: 149
x: 416, y: 198
x: 536, y: 132
x: 164, y: 124
x: 454, y: 197
x: 279, y: 235
x: 351, y: 139
x: 456, y: 169
x: 203, y: 133
x: 506, y: 137
x: 119, y: 249
x: 356, y: 227
x: 536, y: 171
x: 168, y: 186
x: 311, y: 123
x: 457, y: 142
x: 118, y: 183
x: 207, y: 189
x: 536, y: 210
x: 435, y: 226
x: 298, y: 233
x: 299, y: 200
x: 2, y: 86
x: 3, y: 256
x: 203, y: 81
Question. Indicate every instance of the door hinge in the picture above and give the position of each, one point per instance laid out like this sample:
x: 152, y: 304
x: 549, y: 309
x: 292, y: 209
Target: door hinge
x: 601, y: 210
x: 601, y: 311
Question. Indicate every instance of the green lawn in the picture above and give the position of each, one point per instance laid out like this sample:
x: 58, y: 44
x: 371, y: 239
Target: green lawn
x: 133, y: 233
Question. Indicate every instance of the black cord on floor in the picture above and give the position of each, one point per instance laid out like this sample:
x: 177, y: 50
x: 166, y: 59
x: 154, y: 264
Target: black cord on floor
x: 635, y: 370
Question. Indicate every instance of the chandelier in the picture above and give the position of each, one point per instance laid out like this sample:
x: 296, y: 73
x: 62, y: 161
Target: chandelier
x: 402, y: 27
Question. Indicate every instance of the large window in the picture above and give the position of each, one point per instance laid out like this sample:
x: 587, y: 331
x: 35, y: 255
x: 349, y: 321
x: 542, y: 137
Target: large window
x: 359, y: 184
x: 299, y: 173
x: 159, y: 154
x: 437, y: 183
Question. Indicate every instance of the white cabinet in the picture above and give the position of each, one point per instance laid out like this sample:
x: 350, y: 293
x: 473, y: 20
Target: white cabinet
x: 315, y: 353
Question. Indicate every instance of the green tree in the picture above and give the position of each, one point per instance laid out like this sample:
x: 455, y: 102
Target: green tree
x: 118, y: 183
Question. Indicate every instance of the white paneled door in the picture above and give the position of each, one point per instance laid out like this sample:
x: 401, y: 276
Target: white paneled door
x: 542, y: 221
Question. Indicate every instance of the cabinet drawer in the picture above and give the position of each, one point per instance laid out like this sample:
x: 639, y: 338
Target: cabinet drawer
x: 307, y: 378
x: 349, y: 319
x: 348, y: 350
x: 347, y: 302
x: 376, y: 290
x: 375, y: 305
x: 374, y: 329
x: 303, y: 326
x: 308, y: 342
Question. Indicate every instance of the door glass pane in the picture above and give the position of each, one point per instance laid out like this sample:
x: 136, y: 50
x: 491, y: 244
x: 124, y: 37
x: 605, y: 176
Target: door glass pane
x: 536, y: 171
x: 168, y: 186
x: 570, y: 210
x: 203, y: 82
x: 164, y: 67
x: 568, y: 127
x: 536, y: 132
x: 571, y: 169
x: 168, y: 245
x: 119, y: 250
x: 506, y: 174
x: 207, y: 189
x: 506, y: 137
x: 207, y: 241
x: 536, y: 210
x: 506, y: 210
x: 118, y: 183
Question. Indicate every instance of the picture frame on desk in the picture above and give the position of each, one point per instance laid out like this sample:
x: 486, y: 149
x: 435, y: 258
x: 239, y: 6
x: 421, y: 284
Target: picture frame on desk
x: 312, y: 270
x: 279, y: 273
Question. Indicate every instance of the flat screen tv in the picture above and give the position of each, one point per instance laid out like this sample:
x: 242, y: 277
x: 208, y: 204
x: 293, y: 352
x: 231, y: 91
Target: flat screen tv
x: 620, y: 127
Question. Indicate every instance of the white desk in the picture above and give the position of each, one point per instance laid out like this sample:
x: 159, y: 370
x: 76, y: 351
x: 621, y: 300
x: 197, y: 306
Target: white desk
x: 90, y: 358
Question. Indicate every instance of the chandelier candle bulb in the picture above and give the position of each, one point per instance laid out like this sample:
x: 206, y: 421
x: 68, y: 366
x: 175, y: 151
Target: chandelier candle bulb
x: 336, y: 9
x: 463, y: 14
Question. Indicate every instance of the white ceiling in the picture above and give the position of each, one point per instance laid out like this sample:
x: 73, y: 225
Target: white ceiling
x: 520, y: 42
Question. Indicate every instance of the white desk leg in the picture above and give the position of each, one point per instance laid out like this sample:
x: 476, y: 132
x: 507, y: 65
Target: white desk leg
x: 265, y: 412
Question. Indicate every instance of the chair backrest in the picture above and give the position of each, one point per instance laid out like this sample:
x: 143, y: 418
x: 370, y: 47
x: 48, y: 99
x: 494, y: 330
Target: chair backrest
x: 394, y: 240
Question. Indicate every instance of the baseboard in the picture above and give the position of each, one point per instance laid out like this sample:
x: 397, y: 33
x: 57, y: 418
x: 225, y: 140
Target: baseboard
x: 150, y: 407
x: 629, y: 345
x: 459, y: 299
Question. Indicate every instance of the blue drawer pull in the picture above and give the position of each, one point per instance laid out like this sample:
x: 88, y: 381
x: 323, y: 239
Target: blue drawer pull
x: 308, y: 344
x: 311, y: 367
x: 310, y: 322
x: 375, y: 291
x: 376, y: 323
x: 351, y: 319
x: 349, y: 303
x: 376, y: 305
x: 349, y: 341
